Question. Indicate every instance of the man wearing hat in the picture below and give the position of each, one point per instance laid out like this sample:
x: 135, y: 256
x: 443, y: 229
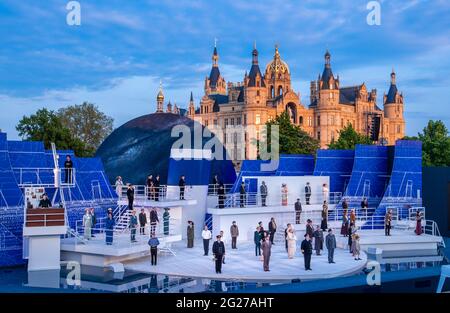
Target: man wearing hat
x: 298, y: 211
x: 218, y: 250
x: 45, y: 201
x: 309, y: 228
x: 330, y: 242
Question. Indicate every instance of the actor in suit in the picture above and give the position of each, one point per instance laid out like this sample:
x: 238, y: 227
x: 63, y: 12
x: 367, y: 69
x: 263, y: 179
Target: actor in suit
x: 218, y: 251
x: 182, y: 185
x: 306, y: 248
x: 307, y: 193
x: 142, y: 222
x: 330, y: 242
x: 298, y: 211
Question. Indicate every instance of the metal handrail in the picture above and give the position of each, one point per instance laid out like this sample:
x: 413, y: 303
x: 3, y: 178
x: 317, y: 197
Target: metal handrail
x: 253, y: 199
x: 213, y: 188
x: 38, y: 171
x: 145, y: 192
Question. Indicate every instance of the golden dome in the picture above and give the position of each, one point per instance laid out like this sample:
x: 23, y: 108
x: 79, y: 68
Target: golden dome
x: 160, y: 96
x: 277, y: 65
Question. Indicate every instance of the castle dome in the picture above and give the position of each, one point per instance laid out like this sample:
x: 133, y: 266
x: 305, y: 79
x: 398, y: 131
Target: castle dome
x: 277, y: 65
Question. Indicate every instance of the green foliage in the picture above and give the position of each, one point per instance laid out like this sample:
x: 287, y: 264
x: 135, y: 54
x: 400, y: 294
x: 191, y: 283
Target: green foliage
x: 292, y: 139
x: 348, y: 138
x: 86, y: 123
x: 435, y: 144
x: 46, y: 126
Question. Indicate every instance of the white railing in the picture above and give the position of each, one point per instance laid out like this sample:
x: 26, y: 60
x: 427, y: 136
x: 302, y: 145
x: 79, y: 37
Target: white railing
x: 214, y: 188
x: 254, y: 199
x: 160, y: 231
x: 51, y: 177
x: 143, y: 192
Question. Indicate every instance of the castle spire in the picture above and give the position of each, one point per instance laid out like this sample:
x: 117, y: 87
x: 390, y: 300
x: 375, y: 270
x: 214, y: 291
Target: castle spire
x: 393, y: 77
x: 160, y: 99
x: 215, y: 56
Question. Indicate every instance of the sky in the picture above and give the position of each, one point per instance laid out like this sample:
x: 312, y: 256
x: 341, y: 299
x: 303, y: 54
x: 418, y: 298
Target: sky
x: 122, y: 49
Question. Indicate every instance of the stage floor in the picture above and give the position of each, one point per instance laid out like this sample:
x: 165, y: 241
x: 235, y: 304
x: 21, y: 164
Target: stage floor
x: 243, y: 265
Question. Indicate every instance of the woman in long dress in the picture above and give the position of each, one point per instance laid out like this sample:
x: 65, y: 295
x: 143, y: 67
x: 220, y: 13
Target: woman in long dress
x: 119, y: 185
x: 344, y: 227
x: 109, y: 231
x: 325, y: 192
x: 284, y: 195
x: 87, y: 224
x: 292, y: 242
x: 418, y: 230
x: 266, y: 248
x: 324, y: 222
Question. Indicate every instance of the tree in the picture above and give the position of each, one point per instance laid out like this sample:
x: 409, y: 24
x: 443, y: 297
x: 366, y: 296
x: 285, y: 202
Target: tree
x: 86, y: 123
x: 46, y: 126
x: 292, y: 139
x: 348, y: 138
x: 435, y: 144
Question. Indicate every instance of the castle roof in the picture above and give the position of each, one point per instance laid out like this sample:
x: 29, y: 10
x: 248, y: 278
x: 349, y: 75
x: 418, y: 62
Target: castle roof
x: 347, y: 95
x: 390, y: 98
x: 255, y: 71
x: 214, y: 76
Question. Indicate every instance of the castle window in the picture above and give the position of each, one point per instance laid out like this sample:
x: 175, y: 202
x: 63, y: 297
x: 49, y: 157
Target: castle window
x: 342, y: 122
x: 238, y: 121
x: 215, y: 122
x: 280, y: 90
x: 399, y: 129
x: 226, y: 122
x: 245, y: 119
x: 332, y: 135
x: 257, y: 93
x: 318, y: 135
x: 300, y: 120
x: 309, y: 120
x: 257, y: 119
x: 318, y: 120
x: 232, y: 122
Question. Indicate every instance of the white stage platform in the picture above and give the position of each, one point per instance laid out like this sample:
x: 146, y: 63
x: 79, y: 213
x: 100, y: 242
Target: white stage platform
x: 96, y: 253
x: 243, y: 265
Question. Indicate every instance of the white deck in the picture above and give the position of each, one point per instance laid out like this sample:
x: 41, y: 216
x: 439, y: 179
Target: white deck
x: 96, y: 253
x: 163, y: 203
x: 243, y: 265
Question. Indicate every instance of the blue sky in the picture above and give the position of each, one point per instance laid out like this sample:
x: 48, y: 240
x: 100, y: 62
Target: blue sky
x: 122, y: 49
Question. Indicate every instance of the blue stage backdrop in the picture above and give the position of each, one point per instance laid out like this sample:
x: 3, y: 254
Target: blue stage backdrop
x: 337, y: 164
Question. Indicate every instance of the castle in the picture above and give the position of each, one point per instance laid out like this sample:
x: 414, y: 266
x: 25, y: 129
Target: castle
x: 261, y: 97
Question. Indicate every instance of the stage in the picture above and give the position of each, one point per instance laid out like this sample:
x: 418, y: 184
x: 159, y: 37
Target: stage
x: 243, y: 265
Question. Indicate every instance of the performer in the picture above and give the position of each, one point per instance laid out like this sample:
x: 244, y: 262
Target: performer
x: 234, y: 232
x: 284, y: 195
x: 257, y: 241
x: 157, y: 186
x: 182, y: 185
x: 298, y: 211
x: 87, y: 224
x: 133, y: 225
x: 318, y: 240
x: 154, y: 220
x: 153, y: 243
x: 288, y: 226
x: 218, y: 251
x: 387, y: 223
x: 166, y: 221
x: 307, y: 193
x: 291, y: 242
x: 190, y: 234
x: 272, y: 229
x: 68, y: 170
x: 242, y: 195
x: 206, y: 235
x: 330, y: 241
x: 418, y: 229
x: 130, y: 196
x: 324, y: 222
x: 266, y: 248
x: 309, y: 228
x: 45, y: 201
x: 306, y: 248
x: 344, y: 227
x: 325, y: 192
x: 142, y: 222
x: 119, y: 186
x: 221, y: 196
x: 263, y: 192
x: 109, y: 232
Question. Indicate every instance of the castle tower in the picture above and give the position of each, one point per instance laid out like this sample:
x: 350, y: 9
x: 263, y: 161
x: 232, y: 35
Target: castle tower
x: 169, y: 107
x: 277, y: 76
x: 328, y: 85
x: 191, y: 109
x: 160, y: 99
x: 393, y: 112
x: 255, y: 87
x: 215, y: 83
